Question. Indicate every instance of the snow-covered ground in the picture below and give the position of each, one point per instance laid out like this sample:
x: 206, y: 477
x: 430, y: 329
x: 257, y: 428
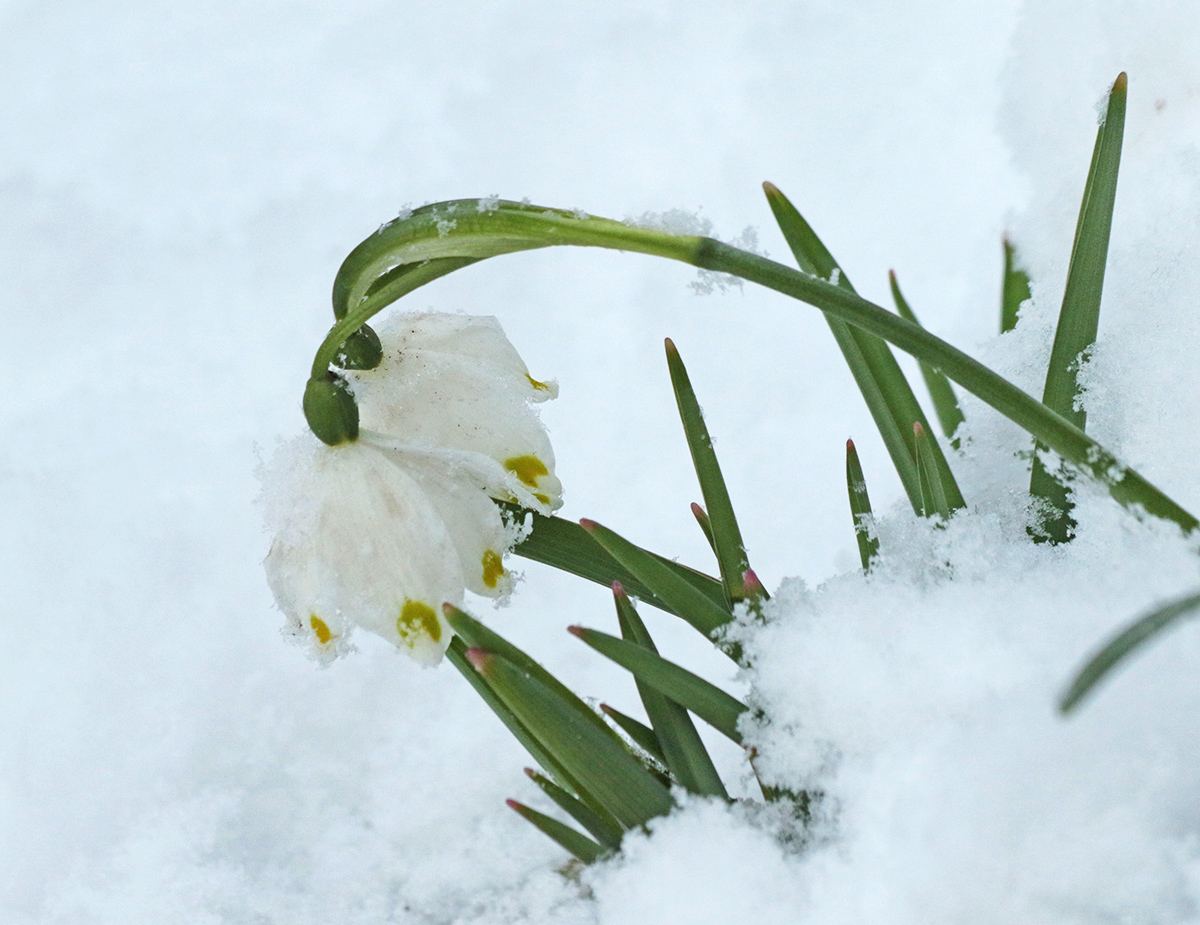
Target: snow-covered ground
x: 178, y: 185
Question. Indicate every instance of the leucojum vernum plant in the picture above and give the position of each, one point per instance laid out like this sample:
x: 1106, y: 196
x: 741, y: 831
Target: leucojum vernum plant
x: 432, y: 466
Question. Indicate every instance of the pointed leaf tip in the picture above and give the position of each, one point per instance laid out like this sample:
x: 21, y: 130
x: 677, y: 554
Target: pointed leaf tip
x: 576, y: 630
x: 670, y: 347
x: 531, y: 773
x: 1121, y: 82
x: 750, y: 582
x: 480, y: 658
x: 918, y: 430
x: 892, y: 277
x: 770, y: 188
x: 618, y: 589
x: 697, y: 510
x: 850, y: 446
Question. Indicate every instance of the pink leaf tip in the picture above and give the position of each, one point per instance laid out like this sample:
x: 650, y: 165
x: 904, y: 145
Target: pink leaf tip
x: 479, y: 658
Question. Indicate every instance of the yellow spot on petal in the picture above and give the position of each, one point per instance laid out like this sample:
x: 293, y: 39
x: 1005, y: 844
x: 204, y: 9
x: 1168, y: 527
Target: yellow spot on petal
x: 417, y: 619
x: 321, y: 628
x: 540, y: 386
x: 527, y: 468
x: 493, y: 569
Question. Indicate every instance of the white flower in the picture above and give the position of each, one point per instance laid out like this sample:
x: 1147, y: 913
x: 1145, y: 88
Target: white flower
x: 455, y: 381
x: 380, y: 532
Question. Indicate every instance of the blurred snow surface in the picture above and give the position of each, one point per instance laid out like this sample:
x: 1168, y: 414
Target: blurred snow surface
x: 178, y: 184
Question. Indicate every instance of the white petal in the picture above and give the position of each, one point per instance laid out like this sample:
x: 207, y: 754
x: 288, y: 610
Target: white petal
x: 472, y: 521
x: 358, y: 542
x: 455, y: 382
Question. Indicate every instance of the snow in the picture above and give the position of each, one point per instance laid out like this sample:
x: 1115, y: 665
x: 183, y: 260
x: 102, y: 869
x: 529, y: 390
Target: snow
x: 179, y: 185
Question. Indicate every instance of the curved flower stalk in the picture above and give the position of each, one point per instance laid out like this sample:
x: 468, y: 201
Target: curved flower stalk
x: 378, y: 532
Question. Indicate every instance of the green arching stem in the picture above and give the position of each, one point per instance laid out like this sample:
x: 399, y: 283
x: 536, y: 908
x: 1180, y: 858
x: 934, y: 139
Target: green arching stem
x: 505, y: 227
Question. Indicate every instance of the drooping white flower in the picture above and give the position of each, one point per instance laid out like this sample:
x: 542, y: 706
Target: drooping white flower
x: 372, y: 535
x: 380, y: 532
x: 455, y: 381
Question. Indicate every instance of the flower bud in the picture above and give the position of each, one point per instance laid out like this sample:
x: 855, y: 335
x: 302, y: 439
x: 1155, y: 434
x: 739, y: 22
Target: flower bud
x: 330, y: 409
x: 361, y: 350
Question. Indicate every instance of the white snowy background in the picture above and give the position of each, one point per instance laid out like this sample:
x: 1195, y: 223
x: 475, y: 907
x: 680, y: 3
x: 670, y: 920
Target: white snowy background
x: 178, y: 184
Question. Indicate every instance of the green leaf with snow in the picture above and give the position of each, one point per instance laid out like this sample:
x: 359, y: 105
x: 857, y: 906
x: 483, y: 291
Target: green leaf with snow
x: 706, y: 700
x: 882, y: 383
x: 1079, y: 318
x: 681, y: 748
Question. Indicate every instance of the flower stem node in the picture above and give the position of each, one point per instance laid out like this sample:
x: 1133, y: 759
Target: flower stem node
x: 330, y: 409
x: 362, y: 350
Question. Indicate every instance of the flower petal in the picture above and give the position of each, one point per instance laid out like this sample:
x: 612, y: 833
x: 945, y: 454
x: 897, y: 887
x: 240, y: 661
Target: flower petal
x: 359, y: 542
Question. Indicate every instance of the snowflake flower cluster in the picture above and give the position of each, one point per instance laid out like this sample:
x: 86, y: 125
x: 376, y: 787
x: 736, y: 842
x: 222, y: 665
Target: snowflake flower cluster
x: 378, y: 533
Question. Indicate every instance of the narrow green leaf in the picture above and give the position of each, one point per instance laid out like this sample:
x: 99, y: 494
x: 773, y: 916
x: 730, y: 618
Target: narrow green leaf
x: 596, y: 758
x: 605, y: 831
x: 706, y: 700
x: 933, y: 493
x: 860, y: 508
x: 941, y: 393
x: 477, y: 636
x: 726, y: 535
x: 567, y: 838
x: 486, y: 229
x: 472, y: 633
x: 565, y: 545
x: 1015, y: 289
x: 1124, y: 643
x: 882, y: 383
x: 681, y: 746
x: 1079, y: 317
x: 705, y: 526
x: 683, y: 598
x: 456, y: 655
x: 642, y: 735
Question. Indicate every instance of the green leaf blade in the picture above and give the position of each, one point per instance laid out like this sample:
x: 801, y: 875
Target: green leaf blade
x: 605, y: 831
x: 684, y: 599
x: 456, y: 655
x: 860, y: 508
x: 880, y: 379
x: 641, y: 734
x: 726, y: 535
x: 1079, y: 317
x: 1122, y: 645
x: 682, y: 749
x: 933, y: 492
x: 597, y: 759
x: 567, y: 838
x: 565, y: 545
x: 709, y: 702
x: 945, y: 402
x: 1014, y: 290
